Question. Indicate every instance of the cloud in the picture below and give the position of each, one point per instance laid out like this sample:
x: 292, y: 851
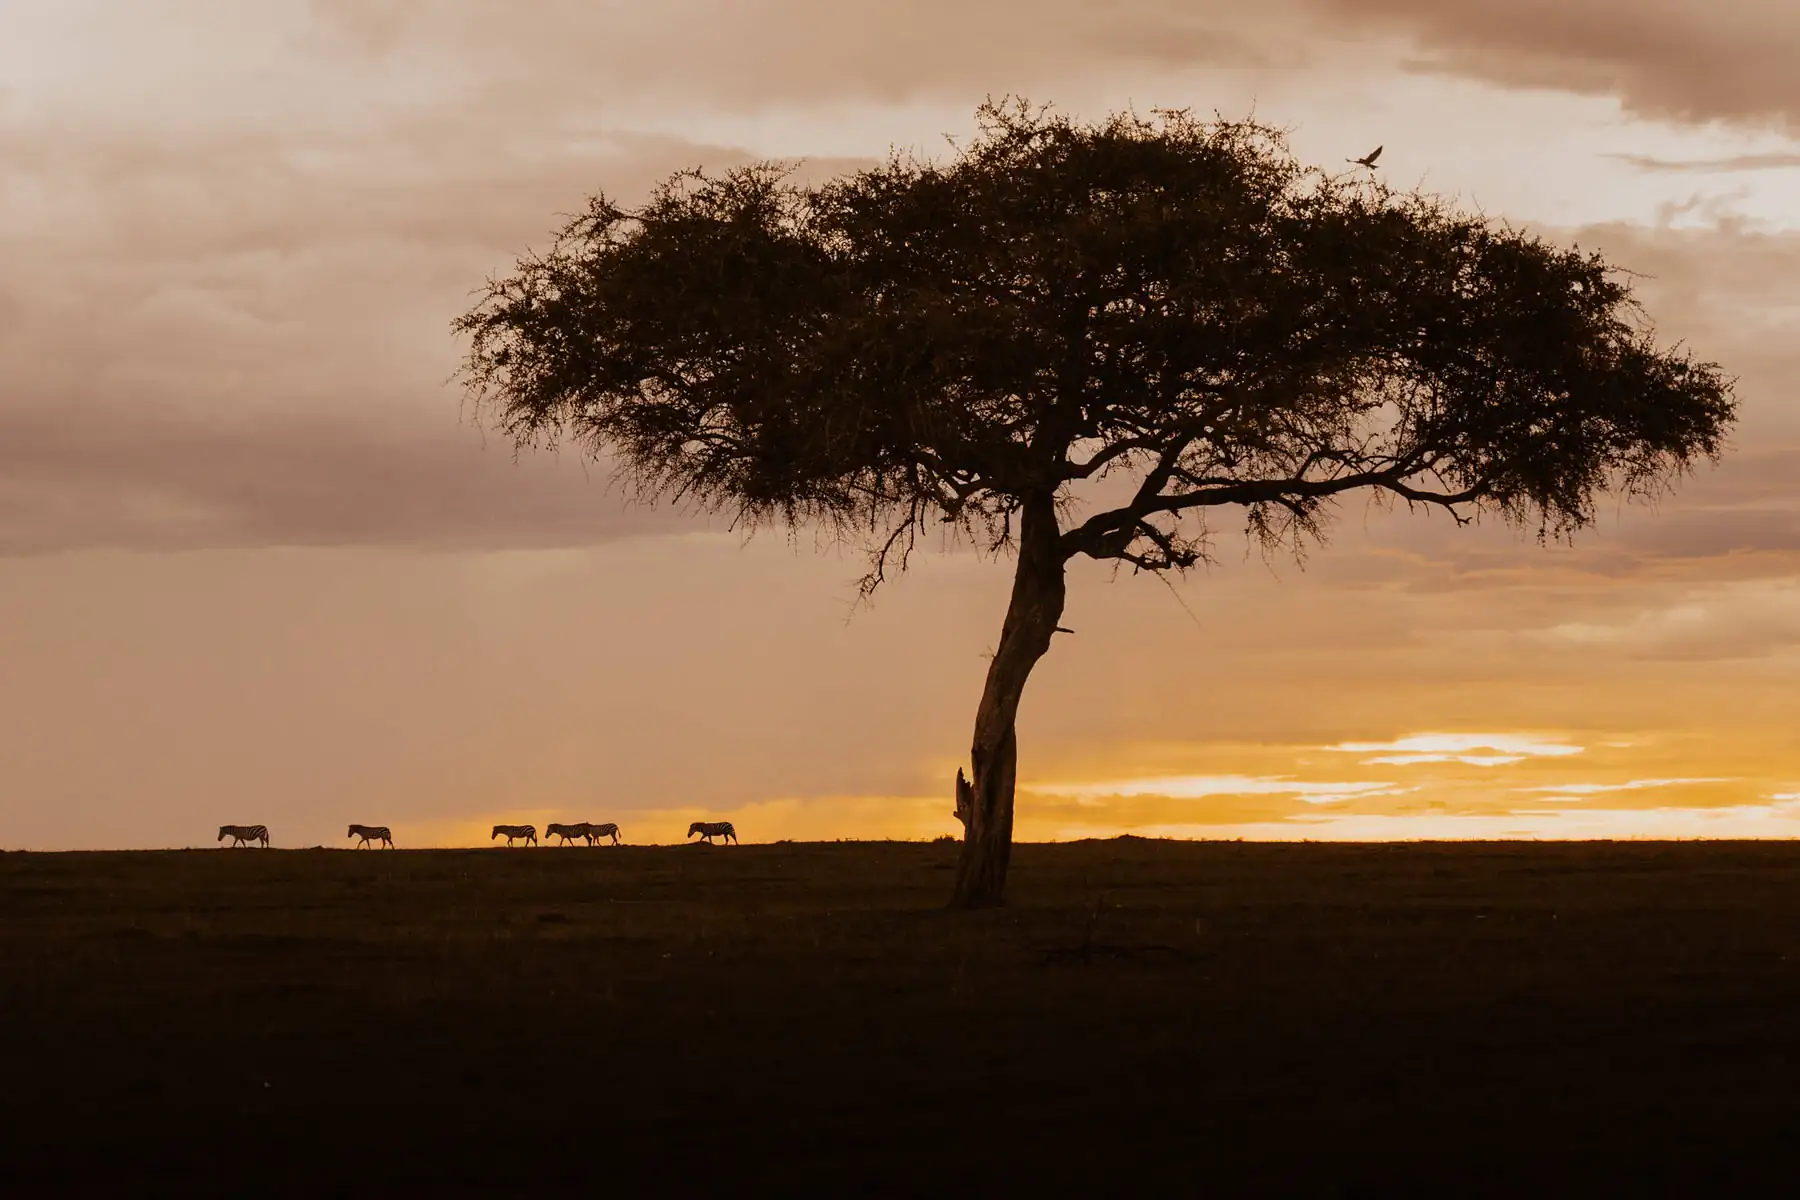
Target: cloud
x: 1676, y: 58
x: 1690, y: 60
x: 1679, y: 58
x: 1593, y: 789
x: 105, y: 478
x: 1455, y: 748
x: 1702, y: 622
x: 1735, y: 162
x: 221, y: 323
x: 1470, y: 760
x: 767, y: 52
x: 1723, y: 821
x: 202, y: 296
x: 233, y: 340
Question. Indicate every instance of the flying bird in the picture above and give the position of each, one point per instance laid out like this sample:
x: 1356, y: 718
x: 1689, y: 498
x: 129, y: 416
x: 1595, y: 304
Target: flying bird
x: 1367, y: 160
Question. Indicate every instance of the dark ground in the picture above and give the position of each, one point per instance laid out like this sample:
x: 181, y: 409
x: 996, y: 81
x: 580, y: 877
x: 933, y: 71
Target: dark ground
x: 1313, y: 1019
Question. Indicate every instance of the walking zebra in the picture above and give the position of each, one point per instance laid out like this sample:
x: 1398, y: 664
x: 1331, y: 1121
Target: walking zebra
x: 708, y: 830
x: 528, y: 832
x: 241, y: 834
x: 377, y: 833
x: 566, y: 832
x: 596, y: 832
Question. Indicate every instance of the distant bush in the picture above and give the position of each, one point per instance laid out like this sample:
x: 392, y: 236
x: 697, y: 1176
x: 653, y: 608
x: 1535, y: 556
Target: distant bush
x: 945, y: 838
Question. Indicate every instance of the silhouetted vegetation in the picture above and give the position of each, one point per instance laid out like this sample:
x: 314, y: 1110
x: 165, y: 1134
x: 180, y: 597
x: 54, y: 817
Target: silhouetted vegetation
x: 1081, y: 339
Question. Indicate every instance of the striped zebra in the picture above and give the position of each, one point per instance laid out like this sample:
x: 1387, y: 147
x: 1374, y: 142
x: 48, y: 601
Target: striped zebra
x: 708, y: 830
x: 242, y: 834
x: 566, y: 832
x: 374, y: 833
x: 528, y: 832
x: 596, y: 832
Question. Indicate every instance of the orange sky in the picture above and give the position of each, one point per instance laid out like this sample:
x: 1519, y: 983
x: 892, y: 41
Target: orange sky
x: 255, y: 567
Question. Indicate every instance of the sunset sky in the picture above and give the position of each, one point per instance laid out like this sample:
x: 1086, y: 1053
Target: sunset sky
x: 257, y: 565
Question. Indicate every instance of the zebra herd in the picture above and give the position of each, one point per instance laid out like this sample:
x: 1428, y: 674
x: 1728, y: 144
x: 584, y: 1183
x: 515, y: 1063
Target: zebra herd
x: 592, y: 831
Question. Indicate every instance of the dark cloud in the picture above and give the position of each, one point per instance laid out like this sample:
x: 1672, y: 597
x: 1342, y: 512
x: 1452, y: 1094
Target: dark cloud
x: 1691, y: 60
x: 759, y: 52
x: 228, y: 339
x: 219, y: 330
x: 147, y: 481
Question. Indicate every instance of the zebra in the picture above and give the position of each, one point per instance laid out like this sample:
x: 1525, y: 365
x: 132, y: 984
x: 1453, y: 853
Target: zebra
x: 708, y: 830
x: 596, y: 832
x: 528, y: 832
x: 243, y: 834
x: 374, y: 833
x: 566, y: 832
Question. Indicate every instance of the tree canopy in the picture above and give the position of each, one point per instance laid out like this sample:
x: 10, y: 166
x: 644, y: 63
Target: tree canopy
x: 1077, y: 339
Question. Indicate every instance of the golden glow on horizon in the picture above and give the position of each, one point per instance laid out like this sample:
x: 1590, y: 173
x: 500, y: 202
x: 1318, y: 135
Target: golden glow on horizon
x: 1195, y: 787
x: 1198, y: 806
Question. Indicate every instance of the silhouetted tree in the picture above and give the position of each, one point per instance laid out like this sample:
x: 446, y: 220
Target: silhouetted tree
x: 1079, y: 339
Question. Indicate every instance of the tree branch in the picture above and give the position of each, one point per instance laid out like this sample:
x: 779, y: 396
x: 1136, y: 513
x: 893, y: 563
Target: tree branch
x: 1110, y: 534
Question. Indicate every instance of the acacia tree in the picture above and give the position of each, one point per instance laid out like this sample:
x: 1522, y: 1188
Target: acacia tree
x: 1081, y: 339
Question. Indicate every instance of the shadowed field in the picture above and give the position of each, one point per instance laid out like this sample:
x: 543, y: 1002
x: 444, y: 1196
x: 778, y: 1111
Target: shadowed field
x: 1321, y: 1018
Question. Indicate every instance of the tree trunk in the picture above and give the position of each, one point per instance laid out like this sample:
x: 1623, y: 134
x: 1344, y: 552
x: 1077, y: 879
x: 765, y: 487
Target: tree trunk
x: 985, y: 803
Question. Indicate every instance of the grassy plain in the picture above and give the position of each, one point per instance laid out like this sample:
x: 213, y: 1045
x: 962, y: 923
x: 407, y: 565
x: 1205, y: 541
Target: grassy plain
x: 1299, y: 1019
